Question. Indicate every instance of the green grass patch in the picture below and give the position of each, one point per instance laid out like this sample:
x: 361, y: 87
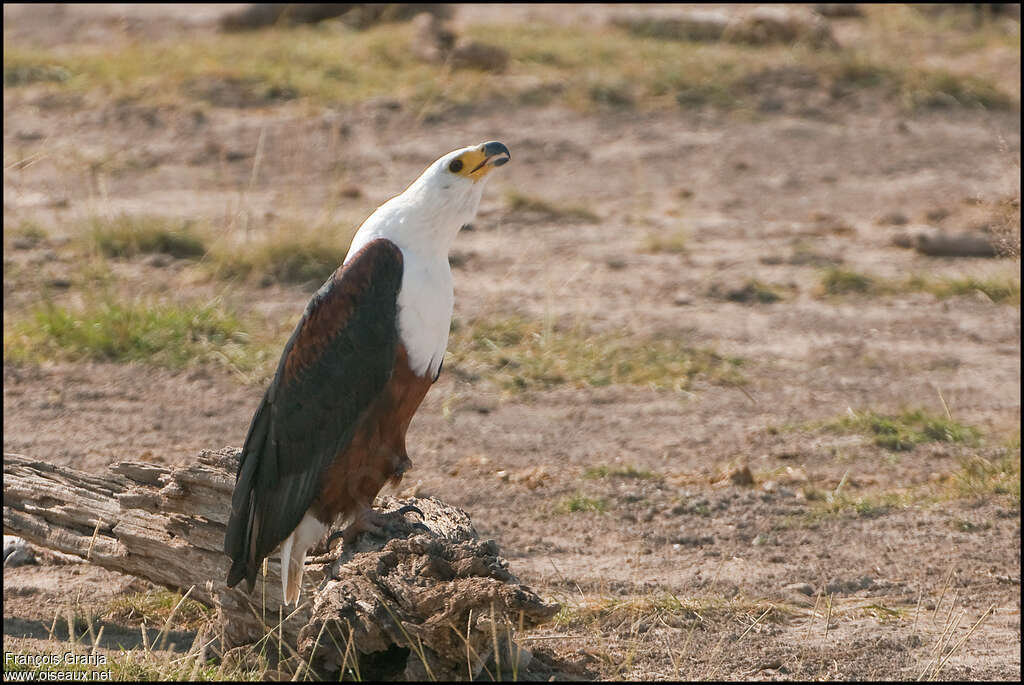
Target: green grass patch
x: 836, y: 281
x: 603, y: 471
x: 129, y: 236
x: 519, y: 354
x: 903, y: 431
x: 998, y: 288
x: 519, y: 202
x: 104, y: 329
x: 299, y: 256
x: 577, y: 503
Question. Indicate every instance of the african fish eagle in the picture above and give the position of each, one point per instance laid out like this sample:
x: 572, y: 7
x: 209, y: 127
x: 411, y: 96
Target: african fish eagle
x: 330, y: 431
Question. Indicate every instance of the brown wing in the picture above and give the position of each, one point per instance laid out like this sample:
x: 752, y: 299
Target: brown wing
x: 335, y: 364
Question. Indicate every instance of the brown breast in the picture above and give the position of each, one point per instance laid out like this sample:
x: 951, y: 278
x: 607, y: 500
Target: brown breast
x: 376, y: 453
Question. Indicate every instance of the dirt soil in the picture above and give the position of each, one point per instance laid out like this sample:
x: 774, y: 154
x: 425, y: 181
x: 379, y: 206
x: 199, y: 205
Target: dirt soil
x: 756, y: 195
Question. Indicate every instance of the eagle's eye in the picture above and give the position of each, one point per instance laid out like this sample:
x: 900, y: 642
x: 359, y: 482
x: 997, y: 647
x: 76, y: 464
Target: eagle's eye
x: 456, y: 166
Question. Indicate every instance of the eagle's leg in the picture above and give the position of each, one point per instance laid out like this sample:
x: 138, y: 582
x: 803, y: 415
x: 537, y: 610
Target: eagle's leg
x: 382, y: 524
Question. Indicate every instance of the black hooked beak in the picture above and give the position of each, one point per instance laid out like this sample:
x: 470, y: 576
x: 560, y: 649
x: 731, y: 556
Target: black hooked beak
x: 495, y: 153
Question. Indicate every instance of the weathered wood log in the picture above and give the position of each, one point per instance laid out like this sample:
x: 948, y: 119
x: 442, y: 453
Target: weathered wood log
x: 433, y: 599
x: 937, y: 243
x: 965, y: 244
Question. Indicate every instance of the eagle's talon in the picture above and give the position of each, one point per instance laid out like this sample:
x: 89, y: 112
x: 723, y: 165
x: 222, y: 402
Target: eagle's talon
x: 409, y: 509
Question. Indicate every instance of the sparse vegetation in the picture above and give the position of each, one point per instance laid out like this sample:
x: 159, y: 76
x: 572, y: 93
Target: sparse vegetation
x: 128, y: 236
x: 866, y: 506
x: 27, y: 233
x: 107, y: 329
x: 155, y: 607
x: 753, y: 291
x: 524, y: 355
x: 837, y: 281
x: 999, y: 289
x: 615, y: 94
x: 519, y: 202
x: 232, y: 70
x: 916, y: 87
x: 673, y: 242
x: 26, y: 72
x: 607, y: 613
x: 603, y: 471
x: 977, y: 477
x: 578, y: 502
x: 980, y: 477
x: 300, y: 256
x: 903, y: 431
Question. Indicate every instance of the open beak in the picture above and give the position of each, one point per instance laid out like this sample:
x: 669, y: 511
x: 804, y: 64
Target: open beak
x: 495, y: 154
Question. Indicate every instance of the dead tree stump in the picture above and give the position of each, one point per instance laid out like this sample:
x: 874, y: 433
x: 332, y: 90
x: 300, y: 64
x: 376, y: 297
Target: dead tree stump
x: 434, y: 601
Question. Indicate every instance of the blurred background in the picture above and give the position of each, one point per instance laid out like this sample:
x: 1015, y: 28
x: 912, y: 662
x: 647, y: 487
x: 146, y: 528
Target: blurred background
x: 737, y: 328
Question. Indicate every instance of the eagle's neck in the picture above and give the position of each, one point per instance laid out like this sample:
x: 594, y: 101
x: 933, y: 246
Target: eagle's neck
x: 424, y: 231
x: 422, y: 220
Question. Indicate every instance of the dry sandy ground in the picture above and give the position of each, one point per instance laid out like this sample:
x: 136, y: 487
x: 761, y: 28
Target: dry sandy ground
x: 751, y: 193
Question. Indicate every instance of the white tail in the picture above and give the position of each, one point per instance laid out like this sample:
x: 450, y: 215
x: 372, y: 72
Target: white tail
x: 293, y: 555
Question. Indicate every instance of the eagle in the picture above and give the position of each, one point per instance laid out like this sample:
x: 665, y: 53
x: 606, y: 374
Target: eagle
x: 330, y: 430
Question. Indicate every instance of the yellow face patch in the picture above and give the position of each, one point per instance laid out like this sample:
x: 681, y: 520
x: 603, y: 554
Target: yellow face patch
x: 477, y: 162
x: 473, y: 165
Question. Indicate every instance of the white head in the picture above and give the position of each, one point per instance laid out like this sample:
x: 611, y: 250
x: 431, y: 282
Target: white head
x: 428, y: 215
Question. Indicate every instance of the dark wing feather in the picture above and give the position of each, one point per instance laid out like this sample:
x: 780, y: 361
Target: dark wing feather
x: 337, y: 361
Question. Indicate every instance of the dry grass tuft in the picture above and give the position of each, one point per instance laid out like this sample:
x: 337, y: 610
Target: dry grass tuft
x: 980, y: 477
x: 519, y: 202
x: 25, y: 234
x: 673, y: 242
x: 128, y: 236
x: 633, y: 472
x: 156, y: 607
x: 287, y: 254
